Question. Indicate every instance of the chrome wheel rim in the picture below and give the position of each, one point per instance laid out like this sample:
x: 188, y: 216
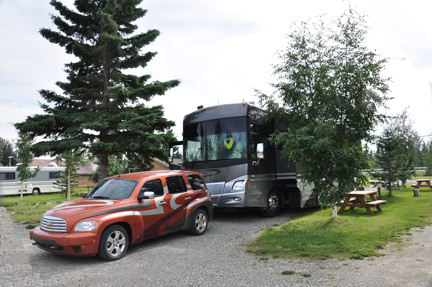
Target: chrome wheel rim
x: 200, y: 222
x: 273, y: 202
x: 116, y: 243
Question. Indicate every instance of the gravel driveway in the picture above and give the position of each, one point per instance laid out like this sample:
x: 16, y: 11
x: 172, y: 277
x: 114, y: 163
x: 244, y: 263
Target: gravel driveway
x: 217, y: 258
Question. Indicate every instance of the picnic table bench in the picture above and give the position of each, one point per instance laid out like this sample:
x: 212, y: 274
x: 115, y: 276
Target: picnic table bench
x: 358, y: 199
x: 427, y: 183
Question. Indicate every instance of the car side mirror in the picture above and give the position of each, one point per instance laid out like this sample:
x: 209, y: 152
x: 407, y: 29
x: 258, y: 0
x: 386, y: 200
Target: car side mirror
x: 146, y: 195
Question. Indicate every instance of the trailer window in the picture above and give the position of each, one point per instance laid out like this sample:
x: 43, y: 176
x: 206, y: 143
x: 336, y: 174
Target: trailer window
x: 54, y: 174
x: 7, y: 175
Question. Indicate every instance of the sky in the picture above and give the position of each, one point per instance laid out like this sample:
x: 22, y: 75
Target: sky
x: 222, y: 51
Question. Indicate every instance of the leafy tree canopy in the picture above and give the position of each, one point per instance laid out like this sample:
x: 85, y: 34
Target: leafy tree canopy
x: 396, y: 151
x: 6, y: 150
x: 102, y: 107
x: 24, y: 145
x: 327, y: 97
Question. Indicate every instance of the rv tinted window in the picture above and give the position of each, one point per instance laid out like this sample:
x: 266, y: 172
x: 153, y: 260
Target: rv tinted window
x: 54, y: 174
x: 194, y: 142
x: 219, y: 139
x: 226, y: 139
x: 7, y: 175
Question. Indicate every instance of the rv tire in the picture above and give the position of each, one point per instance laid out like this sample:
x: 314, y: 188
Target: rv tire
x: 273, y: 204
x: 36, y: 191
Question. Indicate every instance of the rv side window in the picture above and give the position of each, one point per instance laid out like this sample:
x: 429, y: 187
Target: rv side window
x: 54, y: 174
x: 7, y: 175
x: 259, y: 141
x: 260, y: 151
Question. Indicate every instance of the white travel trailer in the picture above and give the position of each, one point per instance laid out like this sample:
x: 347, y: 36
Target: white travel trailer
x: 43, y: 182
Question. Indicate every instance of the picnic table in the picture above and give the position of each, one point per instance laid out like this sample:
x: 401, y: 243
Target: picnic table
x: 427, y: 183
x: 358, y: 199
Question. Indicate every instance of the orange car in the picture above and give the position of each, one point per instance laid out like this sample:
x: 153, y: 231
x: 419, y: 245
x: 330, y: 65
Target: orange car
x: 125, y: 210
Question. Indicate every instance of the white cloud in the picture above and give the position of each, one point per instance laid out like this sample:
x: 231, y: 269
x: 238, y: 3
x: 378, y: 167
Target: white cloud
x: 220, y: 50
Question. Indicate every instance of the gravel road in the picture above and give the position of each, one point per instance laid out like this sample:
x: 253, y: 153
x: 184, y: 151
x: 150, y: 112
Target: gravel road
x: 217, y: 258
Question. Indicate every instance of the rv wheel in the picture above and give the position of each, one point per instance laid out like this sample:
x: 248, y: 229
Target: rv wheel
x: 36, y: 191
x: 273, y: 204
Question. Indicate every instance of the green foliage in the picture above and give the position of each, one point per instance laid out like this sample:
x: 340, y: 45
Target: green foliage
x: 102, y: 108
x: 396, y: 152
x: 355, y: 234
x: 73, y: 160
x: 24, y: 145
x: 328, y: 95
x: 116, y: 165
x: 428, y: 158
x: 6, y: 150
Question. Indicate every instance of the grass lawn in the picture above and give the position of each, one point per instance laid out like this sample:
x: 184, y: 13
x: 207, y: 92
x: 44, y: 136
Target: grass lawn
x: 354, y: 234
x: 29, y: 211
x: 420, y: 174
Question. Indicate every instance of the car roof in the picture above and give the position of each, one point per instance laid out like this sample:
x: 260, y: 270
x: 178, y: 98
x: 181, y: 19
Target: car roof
x: 151, y: 174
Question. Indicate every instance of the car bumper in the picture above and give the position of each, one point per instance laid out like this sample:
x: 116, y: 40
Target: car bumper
x: 75, y: 244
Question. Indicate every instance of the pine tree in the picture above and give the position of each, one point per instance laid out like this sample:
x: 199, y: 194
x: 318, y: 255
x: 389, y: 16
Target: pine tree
x: 102, y: 107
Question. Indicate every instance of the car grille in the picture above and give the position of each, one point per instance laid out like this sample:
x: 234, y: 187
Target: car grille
x: 53, y: 224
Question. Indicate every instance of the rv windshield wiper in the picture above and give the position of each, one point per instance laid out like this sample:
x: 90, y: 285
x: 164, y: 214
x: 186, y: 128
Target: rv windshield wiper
x: 100, y: 197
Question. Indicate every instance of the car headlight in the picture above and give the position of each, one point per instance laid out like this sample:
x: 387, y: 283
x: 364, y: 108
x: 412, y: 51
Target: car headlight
x: 238, y: 185
x: 86, y: 226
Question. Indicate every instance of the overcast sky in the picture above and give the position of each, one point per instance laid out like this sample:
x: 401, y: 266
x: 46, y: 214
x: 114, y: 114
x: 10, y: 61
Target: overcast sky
x: 220, y: 50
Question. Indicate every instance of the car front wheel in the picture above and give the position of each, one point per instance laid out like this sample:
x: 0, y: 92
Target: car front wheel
x: 199, y: 222
x: 114, y: 243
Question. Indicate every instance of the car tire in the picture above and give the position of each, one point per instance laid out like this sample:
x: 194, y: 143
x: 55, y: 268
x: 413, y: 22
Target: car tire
x: 114, y: 243
x: 273, y: 204
x: 199, y: 222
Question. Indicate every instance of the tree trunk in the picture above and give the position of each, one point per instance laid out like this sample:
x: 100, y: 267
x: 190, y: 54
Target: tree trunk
x: 334, y: 211
x: 103, y: 166
x: 334, y: 201
x: 68, y: 185
x: 22, y: 187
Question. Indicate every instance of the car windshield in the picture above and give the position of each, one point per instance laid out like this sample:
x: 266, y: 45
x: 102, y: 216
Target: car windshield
x: 113, y: 189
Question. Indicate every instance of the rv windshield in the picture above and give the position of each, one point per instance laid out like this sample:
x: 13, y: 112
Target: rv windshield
x: 215, y: 140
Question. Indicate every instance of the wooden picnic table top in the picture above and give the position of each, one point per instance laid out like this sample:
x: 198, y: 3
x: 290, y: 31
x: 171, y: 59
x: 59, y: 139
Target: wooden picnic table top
x: 423, y: 180
x: 362, y: 192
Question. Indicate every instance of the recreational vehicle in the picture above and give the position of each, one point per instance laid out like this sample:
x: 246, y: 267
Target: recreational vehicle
x: 43, y: 182
x: 229, y: 145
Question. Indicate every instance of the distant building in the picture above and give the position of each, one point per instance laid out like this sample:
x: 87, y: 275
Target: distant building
x: 85, y: 175
x: 159, y: 164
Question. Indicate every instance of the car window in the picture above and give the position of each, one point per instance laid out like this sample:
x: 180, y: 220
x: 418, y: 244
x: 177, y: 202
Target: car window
x: 154, y: 185
x: 113, y: 189
x: 195, y: 181
x: 176, y: 184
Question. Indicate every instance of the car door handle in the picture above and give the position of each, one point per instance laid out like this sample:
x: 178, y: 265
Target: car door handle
x: 162, y: 203
x: 188, y: 198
